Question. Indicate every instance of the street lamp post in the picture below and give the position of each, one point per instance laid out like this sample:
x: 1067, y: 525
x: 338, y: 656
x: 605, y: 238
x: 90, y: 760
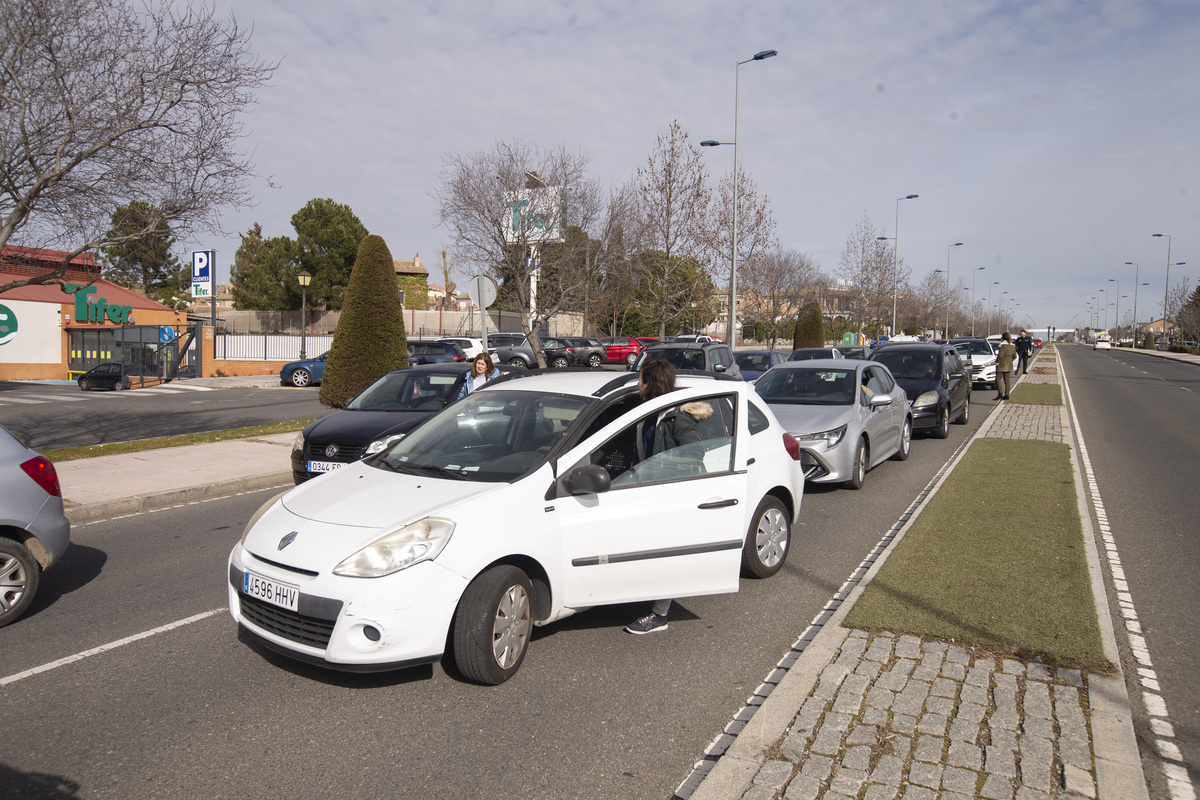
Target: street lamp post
x: 896, y: 256
x: 1116, y: 311
x: 973, y: 274
x: 760, y: 56
x: 1167, y: 283
x: 994, y: 283
x: 948, y: 294
x: 305, y: 279
x: 1135, y: 291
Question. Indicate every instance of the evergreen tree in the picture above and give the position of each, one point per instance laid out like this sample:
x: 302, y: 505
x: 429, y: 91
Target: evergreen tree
x: 810, y: 328
x: 140, y: 259
x: 263, y: 273
x: 370, y: 339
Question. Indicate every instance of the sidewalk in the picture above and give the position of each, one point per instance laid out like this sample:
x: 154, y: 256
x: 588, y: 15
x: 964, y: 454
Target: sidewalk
x: 848, y: 714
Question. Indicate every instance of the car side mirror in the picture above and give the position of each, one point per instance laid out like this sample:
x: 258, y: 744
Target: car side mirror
x: 881, y: 400
x: 719, y: 367
x: 587, y: 479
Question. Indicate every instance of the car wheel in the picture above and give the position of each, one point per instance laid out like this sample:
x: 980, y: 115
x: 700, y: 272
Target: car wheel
x: 301, y: 378
x: 965, y: 416
x: 629, y: 359
x: 19, y: 576
x: 492, y: 625
x: 559, y: 363
x: 858, y: 472
x: 905, y: 442
x: 594, y: 361
x: 119, y: 386
x: 767, y: 541
x: 942, y: 430
x: 518, y: 362
x: 85, y: 384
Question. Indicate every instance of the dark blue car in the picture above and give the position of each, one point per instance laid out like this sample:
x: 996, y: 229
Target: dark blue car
x: 305, y: 372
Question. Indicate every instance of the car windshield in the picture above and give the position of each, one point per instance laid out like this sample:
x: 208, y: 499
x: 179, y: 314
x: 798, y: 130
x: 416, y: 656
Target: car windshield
x: 809, y: 355
x: 808, y: 387
x: 406, y: 391
x: 906, y: 364
x: 680, y: 357
x: 755, y: 362
x: 490, y: 436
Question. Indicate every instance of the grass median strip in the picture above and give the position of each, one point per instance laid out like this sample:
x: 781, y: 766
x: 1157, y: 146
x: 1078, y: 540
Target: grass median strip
x: 72, y: 453
x: 996, y: 559
x: 1047, y: 394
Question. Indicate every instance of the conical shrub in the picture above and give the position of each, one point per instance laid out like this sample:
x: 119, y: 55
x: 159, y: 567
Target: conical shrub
x: 810, y: 328
x: 370, y: 339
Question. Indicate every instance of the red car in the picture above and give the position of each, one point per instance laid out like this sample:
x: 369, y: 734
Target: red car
x: 622, y: 349
x: 1037, y: 342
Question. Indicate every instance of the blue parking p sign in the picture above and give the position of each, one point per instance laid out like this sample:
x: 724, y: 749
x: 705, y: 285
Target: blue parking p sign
x: 202, y: 273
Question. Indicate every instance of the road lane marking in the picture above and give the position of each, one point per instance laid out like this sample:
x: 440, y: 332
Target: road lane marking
x: 104, y: 648
x: 1179, y: 783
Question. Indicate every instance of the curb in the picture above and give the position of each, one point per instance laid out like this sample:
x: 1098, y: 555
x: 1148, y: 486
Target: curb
x: 93, y: 512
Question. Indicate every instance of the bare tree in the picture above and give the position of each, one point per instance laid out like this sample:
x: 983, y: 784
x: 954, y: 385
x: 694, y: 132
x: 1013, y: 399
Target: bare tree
x: 673, y: 198
x: 755, y: 231
x: 447, y: 284
x: 866, y: 266
x: 516, y: 202
x: 107, y: 103
x: 775, y: 282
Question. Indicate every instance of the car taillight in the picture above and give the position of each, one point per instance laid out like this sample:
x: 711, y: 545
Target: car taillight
x: 792, y: 446
x: 460, y: 358
x: 43, y: 474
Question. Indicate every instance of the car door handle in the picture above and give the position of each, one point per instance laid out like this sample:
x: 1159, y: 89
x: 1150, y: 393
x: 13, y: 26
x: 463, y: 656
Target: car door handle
x: 719, y: 503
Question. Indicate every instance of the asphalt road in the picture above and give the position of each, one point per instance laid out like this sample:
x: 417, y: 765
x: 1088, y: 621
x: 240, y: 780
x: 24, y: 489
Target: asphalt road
x: 55, y: 416
x: 193, y: 712
x: 1138, y: 414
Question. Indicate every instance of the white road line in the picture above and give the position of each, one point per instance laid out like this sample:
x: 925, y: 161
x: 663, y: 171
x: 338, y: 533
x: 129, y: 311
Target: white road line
x: 1179, y: 783
x: 21, y: 401
x: 191, y: 388
x: 104, y: 648
x: 66, y: 398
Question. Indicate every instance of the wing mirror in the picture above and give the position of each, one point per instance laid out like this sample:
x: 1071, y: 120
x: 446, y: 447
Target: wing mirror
x: 587, y: 479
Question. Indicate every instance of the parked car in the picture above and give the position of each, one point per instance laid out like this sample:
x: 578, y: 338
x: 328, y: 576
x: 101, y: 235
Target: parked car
x: 982, y: 359
x: 305, y: 372
x: 423, y: 351
x: 505, y: 339
x: 809, y: 353
x: 104, y: 376
x: 379, y: 416
x: 713, y: 357
x: 622, y: 349
x: 857, y: 352
x: 753, y: 363
x: 470, y: 345
x: 34, y: 531
x: 522, y: 504
x: 647, y: 341
x: 848, y: 416
x: 557, y: 352
x: 588, y: 352
x: 696, y: 337
x: 936, y: 381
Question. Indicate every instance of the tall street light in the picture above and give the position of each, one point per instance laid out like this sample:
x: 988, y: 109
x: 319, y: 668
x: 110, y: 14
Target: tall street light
x: 760, y: 56
x: 974, y: 272
x: 948, y: 249
x: 305, y: 279
x: 1167, y: 285
x: 1116, y: 310
x: 994, y: 283
x: 896, y: 256
x: 1134, y: 264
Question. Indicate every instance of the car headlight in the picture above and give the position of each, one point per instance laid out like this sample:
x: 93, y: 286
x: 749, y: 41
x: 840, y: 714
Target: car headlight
x: 420, y: 541
x: 831, y: 438
x: 926, y: 399
x: 298, y: 445
x: 379, y: 445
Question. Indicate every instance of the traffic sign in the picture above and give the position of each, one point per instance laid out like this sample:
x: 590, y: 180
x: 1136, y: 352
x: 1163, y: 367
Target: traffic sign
x: 202, y: 273
x: 482, y: 290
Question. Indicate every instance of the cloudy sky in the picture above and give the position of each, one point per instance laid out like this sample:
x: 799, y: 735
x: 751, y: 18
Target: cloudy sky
x: 1052, y: 138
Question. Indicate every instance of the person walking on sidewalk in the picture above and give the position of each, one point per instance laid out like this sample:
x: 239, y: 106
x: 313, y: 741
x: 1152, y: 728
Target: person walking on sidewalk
x: 1004, y: 366
x: 1024, y: 352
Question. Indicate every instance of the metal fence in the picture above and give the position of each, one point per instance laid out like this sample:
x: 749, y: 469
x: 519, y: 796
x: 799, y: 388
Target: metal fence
x: 267, y: 346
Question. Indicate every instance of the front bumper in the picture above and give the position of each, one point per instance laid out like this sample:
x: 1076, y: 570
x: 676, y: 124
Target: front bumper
x: 925, y: 418
x: 826, y: 465
x: 351, y: 624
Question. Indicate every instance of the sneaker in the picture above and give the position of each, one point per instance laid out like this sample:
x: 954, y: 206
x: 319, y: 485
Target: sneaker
x: 651, y: 623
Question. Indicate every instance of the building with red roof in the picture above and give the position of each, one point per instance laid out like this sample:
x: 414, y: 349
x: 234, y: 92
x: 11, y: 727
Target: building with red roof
x: 61, y: 329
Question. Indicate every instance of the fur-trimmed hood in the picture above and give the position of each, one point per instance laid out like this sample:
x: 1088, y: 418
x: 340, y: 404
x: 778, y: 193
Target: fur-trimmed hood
x: 697, y: 410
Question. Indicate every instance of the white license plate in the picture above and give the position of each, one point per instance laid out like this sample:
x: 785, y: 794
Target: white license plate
x: 324, y: 466
x: 277, y: 594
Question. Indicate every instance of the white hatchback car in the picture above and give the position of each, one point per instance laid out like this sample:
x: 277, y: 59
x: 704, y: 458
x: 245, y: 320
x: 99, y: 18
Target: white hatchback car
x: 1102, y: 344
x: 519, y: 505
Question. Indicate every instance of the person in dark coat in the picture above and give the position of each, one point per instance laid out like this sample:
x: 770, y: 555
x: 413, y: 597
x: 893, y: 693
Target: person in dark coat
x: 1024, y: 352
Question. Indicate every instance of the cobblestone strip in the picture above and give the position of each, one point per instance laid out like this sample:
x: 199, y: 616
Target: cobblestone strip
x: 898, y: 716
x: 1015, y: 420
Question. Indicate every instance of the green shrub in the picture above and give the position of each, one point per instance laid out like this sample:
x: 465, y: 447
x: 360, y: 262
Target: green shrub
x: 370, y: 339
x: 810, y: 328
x: 1148, y: 342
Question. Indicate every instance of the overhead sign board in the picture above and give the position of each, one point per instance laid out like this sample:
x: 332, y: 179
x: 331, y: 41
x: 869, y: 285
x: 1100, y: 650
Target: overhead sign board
x: 534, y: 215
x: 202, y: 269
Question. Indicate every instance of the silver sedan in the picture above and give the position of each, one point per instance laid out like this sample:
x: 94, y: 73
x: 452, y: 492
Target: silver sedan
x: 847, y: 415
x: 34, y: 532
